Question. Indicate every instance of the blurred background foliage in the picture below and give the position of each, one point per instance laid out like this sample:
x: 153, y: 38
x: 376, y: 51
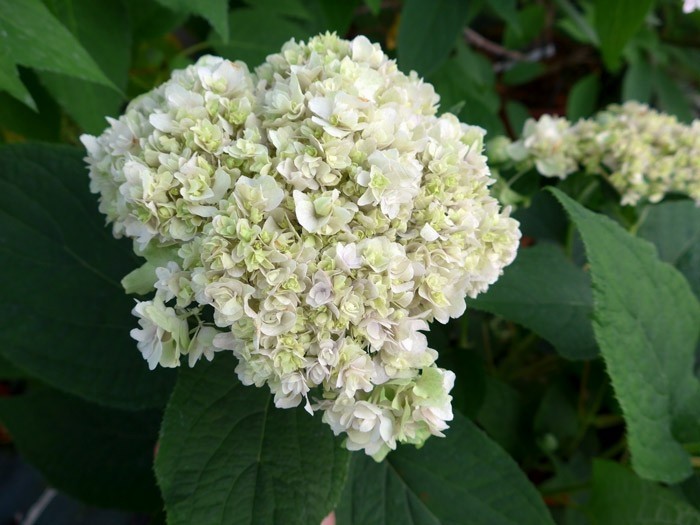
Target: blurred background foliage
x: 494, y: 62
x: 534, y: 381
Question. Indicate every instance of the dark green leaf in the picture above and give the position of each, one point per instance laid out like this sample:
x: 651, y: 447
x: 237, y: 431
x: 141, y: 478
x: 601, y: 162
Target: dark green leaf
x: 149, y: 19
x: 523, y: 72
x: 674, y: 228
x: 577, y: 25
x: 517, y: 114
x: 428, y: 31
x: 543, y: 220
x: 21, y: 121
x: 583, y: 98
x: 450, y: 342
x: 66, y: 319
x: 298, y: 9
x: 374, y: 5
x: 335, y: 16
x: 671, y: 98
x: 213, y: 11
x: 531, y: 20
x: 690, y: 490
x: 467, y: 82
x: 477, y: 113
x: 467, y: 79
x: 463, y: 478
x: 545, y: 292
x: 621, y: 498
x: 228, y: 456
x: 616, y: 22
x: 100, y: 455
x: 646, y: 322
x: 103, y: 29
x: 556, y: 415
x: 34, y: 38
x: 502, y: 415
x: 10, y: 81
x: 251, y: 45
x: 507, y: 10
x: 9, y: 371
x: 636, y: 84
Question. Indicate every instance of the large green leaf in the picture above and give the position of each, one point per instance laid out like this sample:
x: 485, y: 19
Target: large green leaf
x: 103, y: 29
x: 674, y: 228
x: 428, y: 31
x: 637, y: 82
x: 333, y: 15
x: 646, y: 322
x: 463, y: 478
x: 583, y: 97
x: 10, y: 81
x: 101, y: 455
x: 621, y: 498
x: 20, y: 120
x: 228, y: 456
x: 466, y: 85
x: 66, y: 319
x: 248, y: 43
x: 671, y: 97
x: 33, y: 37
x: 213, y: 11
x: 545, y: 292
x: 616, y: 22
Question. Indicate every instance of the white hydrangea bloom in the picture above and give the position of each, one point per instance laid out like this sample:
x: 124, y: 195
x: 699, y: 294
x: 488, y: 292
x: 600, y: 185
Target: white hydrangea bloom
x: 549, y: 143
x: 690, y: 5
x: 643, y: 153
x: 163, y: 335
x: 322, y: 216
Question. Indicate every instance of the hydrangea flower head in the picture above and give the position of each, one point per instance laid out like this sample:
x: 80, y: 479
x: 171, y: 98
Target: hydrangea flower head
x: 644, y: 154
x: 690, y: 5
x: 312, y: 217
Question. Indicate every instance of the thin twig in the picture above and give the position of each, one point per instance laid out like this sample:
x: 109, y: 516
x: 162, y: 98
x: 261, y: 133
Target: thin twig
x: 39, y: 507
x: 492, y: 47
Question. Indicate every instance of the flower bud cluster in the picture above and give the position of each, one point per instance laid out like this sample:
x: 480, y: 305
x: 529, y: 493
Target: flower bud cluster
x: 312, y: 217
x: 643, y: 153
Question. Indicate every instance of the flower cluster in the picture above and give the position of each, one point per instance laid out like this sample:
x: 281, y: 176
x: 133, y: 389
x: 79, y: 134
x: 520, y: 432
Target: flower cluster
x: 643, y: 153
x: 690, y: 5
x: 312, y: 217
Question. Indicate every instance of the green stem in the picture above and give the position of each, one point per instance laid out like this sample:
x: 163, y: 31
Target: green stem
x: 642, y: 217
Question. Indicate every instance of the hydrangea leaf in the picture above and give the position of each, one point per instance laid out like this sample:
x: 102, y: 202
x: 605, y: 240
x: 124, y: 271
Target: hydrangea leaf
x: 9, y: 371
x: 23, y: 122
x: 66, y: 318
x: 620, y: 497
x: 428, y: 31
x: 103, y: 29
x: 637, y: 82
x: 616, y: 22
x: 671, y: 98
x: 228, y: 456
x: 34, y: 38
x: 213, y: 11
x: 583, y: 98
x: 100, y: 455
x: 545, y: 292
x: 247, y: 43
x: 374, y: 6
x: 646, y: 322
x: 10, y: 81
x: 335, y: 16
x: 463, y: 478
x: 674, y: 228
